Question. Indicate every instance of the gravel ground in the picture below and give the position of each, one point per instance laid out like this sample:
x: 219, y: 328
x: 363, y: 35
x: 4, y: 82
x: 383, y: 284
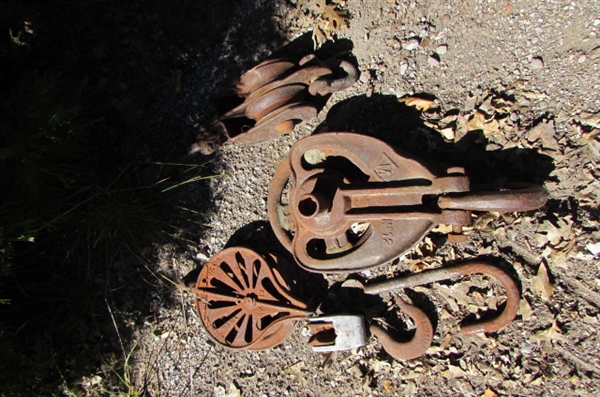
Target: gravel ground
x: 532, y: 67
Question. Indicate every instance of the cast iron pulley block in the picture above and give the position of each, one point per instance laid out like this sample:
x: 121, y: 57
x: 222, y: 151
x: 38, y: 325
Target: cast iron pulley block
x: 244, y: 302
x: 344, y: 202
x: 272, y: 98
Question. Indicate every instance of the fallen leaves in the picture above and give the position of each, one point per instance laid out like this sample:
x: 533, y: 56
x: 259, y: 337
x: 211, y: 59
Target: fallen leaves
x: 589, y: 126
x: 525, y: 309
x: 422, y: 104
x: 324, y: 19
x: 497, y: 116
x: 454, y: 372
x: 479, y: 122
x: 297, y: 371
x: 556, y: 234
x: 541, y: 283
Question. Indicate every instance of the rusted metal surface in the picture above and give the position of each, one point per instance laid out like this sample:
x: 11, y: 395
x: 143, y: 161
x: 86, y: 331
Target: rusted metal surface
x: 524, y: 198
x: 344, y: 202
x: 424, y: 330
x: 244, y: 302
x: 276, y: 95
x: 513, y: 294
x: 418, y: 344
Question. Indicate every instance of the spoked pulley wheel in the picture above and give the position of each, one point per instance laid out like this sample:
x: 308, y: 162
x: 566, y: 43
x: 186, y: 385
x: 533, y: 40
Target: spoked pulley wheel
x: 244, y: 302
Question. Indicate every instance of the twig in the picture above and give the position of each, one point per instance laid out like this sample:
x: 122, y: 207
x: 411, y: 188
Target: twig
x: 582, y: 291
x: 578, y: 362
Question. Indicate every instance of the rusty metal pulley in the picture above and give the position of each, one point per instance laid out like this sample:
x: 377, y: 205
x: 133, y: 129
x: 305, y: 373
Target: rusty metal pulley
x: 275, y: 96
x: 244, y: 302
x: 344, y: 202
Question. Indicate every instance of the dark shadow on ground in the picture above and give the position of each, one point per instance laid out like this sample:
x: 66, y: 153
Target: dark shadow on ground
x: 383, y: 117
x: 140, y: 75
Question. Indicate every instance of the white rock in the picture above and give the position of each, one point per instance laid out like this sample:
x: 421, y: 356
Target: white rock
x: 411, y: 44
x: 537, y: 63
x: 433, y: 61
x: 442, y: 49
x: 593, y: 248
x: 403, y: 67
x: 581, y: 59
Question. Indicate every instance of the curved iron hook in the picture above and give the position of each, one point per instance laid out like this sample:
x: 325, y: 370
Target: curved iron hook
x: 513, y: 294
x: 419, y: 343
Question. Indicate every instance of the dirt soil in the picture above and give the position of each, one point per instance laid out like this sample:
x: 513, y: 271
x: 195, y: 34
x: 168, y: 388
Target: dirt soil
x: 508, y: 89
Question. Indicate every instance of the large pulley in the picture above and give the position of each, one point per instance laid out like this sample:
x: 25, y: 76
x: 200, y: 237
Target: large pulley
x: 244, y: 302
x: 344, y: 202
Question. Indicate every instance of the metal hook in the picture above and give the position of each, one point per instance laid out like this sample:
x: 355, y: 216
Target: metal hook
x: 513, y: 294
x: 419, y: 343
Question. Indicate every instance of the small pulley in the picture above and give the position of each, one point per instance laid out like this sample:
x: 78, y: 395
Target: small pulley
x: 244, y: 302
x: 273, y: 97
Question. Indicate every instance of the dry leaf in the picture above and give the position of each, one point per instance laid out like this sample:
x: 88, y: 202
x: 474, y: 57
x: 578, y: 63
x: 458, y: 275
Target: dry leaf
x: 454, y: 372
x: 445, y: 342
x: 509, y: 384
x: 296, y: 371
x: 525, y: 309
x: 318, y: 36
x: 589, y: 119
x: 553, y: 234
x: 388, y: 385
x: 531, y: 95
x: 448, y: 134
x: 501, y: 105
x: 487, y: 108
x: 444, y: 229
x: 338, y: 19
x: 356, y: 371
x: 324, y: 18
x: 538, y: 130
x: 461, y: 128
x: 479, y: 122
x: 417, y: 266
x: 493, y: 106
x: 541, y: 283
x: 539, y: 381
x: 446, y: 121
x: 489, y: 393
x: 548, y: 137
x: 421, y: 104
x: 485, y: 219
x: 446, y: 314
x: 295, y: 368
